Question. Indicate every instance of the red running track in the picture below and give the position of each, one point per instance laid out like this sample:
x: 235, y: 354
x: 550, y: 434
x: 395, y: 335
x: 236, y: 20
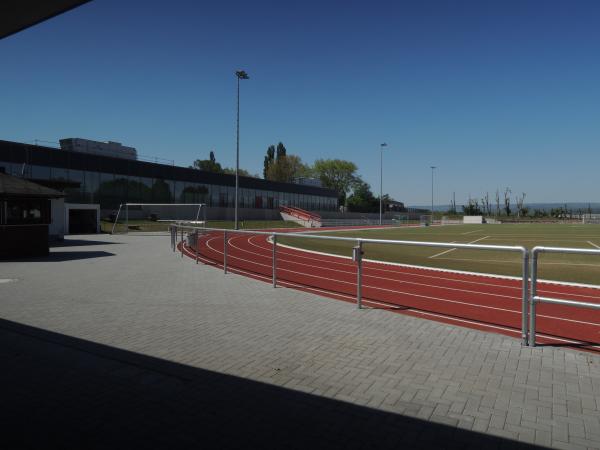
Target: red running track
x: 475, y: 301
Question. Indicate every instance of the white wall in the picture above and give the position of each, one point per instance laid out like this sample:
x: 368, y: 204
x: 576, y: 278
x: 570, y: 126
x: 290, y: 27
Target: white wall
x: 473, y: 219
x: 56, y: 230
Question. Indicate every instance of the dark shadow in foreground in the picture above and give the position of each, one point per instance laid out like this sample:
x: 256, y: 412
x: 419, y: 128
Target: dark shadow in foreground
x: 64, y: 392
x: 61, y: 256
x: 80, y: 243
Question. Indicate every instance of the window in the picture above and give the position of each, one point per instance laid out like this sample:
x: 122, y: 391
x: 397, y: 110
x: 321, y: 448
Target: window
x: 28, y: 211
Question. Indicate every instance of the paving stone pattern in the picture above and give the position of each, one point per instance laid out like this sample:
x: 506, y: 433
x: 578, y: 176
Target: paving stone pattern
x: 112, y: 328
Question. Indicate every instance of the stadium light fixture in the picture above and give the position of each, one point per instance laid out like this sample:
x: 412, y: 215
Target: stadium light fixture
x: 432, y: 169
x: 381, y: 181
x: 240, y: 75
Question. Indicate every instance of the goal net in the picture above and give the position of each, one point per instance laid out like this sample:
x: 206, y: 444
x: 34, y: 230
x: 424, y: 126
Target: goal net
x: 157, y: 216
x: 426, y: 220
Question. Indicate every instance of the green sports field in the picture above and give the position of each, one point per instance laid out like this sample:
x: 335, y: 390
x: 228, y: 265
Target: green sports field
x: 574, y: 268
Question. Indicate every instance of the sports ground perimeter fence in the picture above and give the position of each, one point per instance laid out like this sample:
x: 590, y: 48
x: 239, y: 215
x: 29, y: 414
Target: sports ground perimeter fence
x: 529, y: 263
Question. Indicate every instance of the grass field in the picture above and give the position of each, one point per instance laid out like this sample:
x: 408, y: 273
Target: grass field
x: 149, y: 225
x: 574, y: 268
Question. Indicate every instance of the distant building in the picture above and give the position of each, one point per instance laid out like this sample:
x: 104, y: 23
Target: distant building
x: 110, y: 148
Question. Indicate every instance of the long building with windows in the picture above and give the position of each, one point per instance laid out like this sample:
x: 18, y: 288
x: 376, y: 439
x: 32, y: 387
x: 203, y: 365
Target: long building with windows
x: 108, y: 180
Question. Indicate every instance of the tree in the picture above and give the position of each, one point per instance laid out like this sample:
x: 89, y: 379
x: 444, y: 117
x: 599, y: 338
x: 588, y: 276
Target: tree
x: 269, y: 158
x: 507, y: 193
x: 497, y: 202
x: 336, y: 174
x: 281, y: 150
x: 472, y: 208
x: 241, y: 172
x: 520, y: 208
x: 362, y: 199
x: 208, y: 165
x: 287, y: 167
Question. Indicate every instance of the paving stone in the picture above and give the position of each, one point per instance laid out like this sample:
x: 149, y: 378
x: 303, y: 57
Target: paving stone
x: 141, y: 298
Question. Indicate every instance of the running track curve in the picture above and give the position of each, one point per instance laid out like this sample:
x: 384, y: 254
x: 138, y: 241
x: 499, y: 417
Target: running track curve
x: 474, y: 301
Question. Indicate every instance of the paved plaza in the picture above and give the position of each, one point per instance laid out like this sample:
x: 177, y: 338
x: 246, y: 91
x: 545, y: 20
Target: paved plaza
x: 117, y: 342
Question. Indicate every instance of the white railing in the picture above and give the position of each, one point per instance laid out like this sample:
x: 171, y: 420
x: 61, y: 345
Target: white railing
x: 177, y: 232
x: 535, y: 299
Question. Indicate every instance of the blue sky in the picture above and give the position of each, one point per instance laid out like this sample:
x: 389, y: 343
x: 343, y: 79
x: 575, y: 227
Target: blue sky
x: 495, y: 94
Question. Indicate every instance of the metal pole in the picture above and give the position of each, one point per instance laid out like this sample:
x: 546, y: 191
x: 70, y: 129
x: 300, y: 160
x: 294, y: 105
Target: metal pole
x: 182, y: 242
x: 224, y: 251
x: 237, y: 155
x: 197, y: 245
x: 173, y: 238
x: 432, y: 168
x: 380, y: 183
x: 525, y: 300
x: 274, y: 237
x: 126, y: 218
x: 532, y: 294
x: 359, y: 275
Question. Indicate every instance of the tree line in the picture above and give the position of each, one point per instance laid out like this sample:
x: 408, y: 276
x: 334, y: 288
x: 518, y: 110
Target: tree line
x: 501, y: 205
x: 337, y: 174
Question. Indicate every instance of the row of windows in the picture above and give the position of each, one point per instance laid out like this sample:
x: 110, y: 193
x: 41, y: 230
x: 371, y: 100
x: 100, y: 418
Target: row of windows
x: 111, y: 190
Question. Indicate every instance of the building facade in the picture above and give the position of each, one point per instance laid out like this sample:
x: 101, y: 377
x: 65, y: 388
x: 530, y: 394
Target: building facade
x: 110, y: 181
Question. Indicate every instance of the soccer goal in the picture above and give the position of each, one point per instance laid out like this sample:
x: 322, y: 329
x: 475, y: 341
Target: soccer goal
x: 157, y: 216
x: 426, y: 220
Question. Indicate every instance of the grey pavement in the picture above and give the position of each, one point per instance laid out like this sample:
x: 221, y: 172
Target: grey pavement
x: 117, y: 342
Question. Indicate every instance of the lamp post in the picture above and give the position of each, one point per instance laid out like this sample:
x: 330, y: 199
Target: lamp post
x: 241, y: 75
x: 432, y: 169
x: 381, y: 181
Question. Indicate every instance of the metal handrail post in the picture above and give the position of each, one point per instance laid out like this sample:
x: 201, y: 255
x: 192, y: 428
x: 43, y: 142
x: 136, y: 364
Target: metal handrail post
x: 197, y: 245
x: 224, y: 251
x: 532, y: 295
x: 525, y: 300
x: 182, y: 242
x: 359, y: 275
x: 274, y: 237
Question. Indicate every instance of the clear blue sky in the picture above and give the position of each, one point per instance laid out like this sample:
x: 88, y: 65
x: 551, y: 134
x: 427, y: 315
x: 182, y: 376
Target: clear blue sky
x: 496, y: 94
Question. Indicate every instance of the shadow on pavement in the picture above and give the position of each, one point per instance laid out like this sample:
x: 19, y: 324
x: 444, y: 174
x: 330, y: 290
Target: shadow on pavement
x: 79, y: 243
x: 62, y: 256
x: 64, y: 392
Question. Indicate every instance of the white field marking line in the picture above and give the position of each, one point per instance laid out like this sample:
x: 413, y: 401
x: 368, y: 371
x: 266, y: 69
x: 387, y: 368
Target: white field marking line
x: 7, y: 280
x: 594, y: 245
x: 477, y: 305
x: 409, y: 309
x: 452, y: 271
x: 452, y: 249
x: 474, y: 231
x: 395, y: 280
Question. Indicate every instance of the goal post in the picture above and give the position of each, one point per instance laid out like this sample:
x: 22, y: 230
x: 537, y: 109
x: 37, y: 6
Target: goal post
x: 153, y: 215
x: 425, y: 220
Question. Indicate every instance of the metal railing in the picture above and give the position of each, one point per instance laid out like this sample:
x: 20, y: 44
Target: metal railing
x: 535, y: 299
x: 358, y: 256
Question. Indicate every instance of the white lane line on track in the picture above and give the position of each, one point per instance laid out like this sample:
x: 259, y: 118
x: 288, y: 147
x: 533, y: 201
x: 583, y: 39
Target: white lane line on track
x: 469, y: 232
x: 452, y: 249
x: 476, y: 305
x: 407, y: 309
x: 424, y: 268
x: 594, y: 245
x: 450, y: 271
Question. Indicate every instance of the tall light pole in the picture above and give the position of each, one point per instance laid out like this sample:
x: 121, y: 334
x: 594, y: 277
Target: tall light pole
x: 241, y: 75
x: 381, y: 181
x: 432, y: 169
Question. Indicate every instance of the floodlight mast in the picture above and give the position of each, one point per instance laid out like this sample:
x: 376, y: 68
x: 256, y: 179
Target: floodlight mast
x: 241, y: 75
x: 432, y: 169
x: 381, y: 182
